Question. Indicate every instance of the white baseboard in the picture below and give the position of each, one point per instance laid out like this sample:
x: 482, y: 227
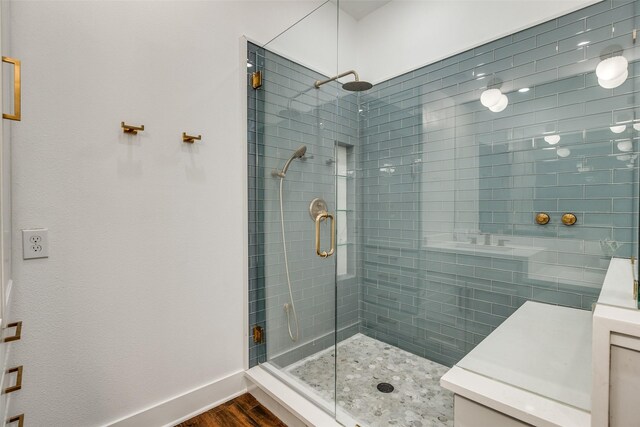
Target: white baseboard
x: 187, y: 405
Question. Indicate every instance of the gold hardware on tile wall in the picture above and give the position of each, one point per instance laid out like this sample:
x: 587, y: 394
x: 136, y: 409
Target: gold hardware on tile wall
x: 542, y: 218
x: 18, y: 384
x: 17, y: 114
x: 569, y: 219
x: 256, y: 79
x: 16, y: 336
x: 190, y: 138
x: 133, y: 130
x: 258, y: 334
x: 18, y: 418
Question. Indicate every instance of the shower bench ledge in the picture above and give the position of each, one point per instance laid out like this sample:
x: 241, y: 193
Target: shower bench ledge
x: 534, y: 369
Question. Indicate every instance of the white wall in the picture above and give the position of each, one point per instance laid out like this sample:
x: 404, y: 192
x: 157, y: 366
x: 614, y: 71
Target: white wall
x: 406, y: 34
x: 314, y: 41
x: 141, y: 298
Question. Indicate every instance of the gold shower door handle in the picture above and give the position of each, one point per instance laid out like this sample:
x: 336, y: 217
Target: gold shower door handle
x: 17, y: 115
x: 322, y: 216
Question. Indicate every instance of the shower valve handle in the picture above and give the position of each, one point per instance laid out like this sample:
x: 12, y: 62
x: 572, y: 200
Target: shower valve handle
x: 321, y: 217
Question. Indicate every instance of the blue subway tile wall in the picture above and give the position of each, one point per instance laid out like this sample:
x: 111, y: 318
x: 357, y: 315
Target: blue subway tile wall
x: 448, y: 190
x: 286, y: 112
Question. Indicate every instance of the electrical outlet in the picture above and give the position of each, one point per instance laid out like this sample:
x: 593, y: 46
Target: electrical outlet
x: 35, y: 243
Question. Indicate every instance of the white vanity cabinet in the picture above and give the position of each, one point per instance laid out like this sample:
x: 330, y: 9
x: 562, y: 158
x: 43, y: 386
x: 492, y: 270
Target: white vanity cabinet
x: 467, y: 413
x: 616, y: 351
x: 556, y: 366
x: 534, y: 369
x: 624, y: 384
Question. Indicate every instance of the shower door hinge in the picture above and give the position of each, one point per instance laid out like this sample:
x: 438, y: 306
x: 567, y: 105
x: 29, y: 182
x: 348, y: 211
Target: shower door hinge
x: 258, y: 334
x: 256, y: 79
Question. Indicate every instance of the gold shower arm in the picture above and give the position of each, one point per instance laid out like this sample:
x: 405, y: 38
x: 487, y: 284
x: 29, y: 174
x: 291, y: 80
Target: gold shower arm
x: 319, y: 83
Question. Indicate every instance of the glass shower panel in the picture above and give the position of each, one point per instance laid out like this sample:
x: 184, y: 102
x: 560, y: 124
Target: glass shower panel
x: 436, y: 199
x: 298, y: 123
x: 295, y: 143
x: 449, y: 191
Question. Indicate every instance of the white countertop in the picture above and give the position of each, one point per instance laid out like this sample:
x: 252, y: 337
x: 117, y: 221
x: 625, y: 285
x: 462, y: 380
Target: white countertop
x: 617, y: 289
x: 481, y: 249
x: 539, y: 361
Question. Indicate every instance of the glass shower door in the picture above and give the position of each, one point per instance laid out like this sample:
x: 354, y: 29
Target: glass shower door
x: 296, y: 151
x: 306, y: 293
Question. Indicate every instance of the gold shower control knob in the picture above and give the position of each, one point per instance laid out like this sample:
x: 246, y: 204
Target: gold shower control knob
x: 569, y: 219
x: 542, y: 218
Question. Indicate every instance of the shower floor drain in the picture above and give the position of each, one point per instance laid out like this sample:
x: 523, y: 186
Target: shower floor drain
x: 385, y: 388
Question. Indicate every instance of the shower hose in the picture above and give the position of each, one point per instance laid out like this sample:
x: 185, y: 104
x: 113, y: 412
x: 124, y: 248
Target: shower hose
x: 288, y: 308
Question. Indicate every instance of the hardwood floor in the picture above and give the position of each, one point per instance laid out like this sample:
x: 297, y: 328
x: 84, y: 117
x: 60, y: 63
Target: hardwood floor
x: 243, y: 411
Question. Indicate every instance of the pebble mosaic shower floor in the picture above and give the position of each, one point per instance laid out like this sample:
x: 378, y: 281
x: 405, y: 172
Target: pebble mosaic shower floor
x: 416, y: 401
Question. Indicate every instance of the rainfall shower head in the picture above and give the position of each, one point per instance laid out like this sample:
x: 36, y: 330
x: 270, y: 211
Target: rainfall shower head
x: 298, y: 154
x: 355, y: 86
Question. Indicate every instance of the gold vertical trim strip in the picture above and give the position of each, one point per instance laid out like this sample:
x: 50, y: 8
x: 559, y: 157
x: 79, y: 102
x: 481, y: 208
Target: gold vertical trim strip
x: 635, y: 281
x: 18, y: 384
x: 18, y: 418
x: 16, y: 336
x: 17, y: 93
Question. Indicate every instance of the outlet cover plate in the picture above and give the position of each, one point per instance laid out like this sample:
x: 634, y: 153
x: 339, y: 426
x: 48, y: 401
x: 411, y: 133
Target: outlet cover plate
x: 35, y: 243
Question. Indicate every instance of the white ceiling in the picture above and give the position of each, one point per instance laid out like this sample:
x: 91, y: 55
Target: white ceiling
x: 361, y: 8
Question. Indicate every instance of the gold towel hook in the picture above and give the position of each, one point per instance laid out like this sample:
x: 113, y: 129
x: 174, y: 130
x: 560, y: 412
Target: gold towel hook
x: 190, y: 138
x: 131, y: 129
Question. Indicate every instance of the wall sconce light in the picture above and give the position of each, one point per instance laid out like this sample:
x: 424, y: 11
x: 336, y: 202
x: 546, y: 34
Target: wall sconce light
x: 612, y: 72
x: 618, y: 128
x: 563, y: 152
x: 494, y: 100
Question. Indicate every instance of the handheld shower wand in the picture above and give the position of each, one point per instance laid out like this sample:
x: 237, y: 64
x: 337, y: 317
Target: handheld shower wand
x: 289, y: 308
x: 298, y: 154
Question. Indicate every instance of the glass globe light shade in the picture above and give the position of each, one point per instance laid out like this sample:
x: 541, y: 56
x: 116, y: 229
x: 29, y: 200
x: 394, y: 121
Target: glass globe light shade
x: 625, y: 146
x: 611, y: 68
x: 610, y: 84
x: 563, y: 152
x: 501, y: 105
x: 618, y: 128
x: 490, y: 97
x: 552, y: 139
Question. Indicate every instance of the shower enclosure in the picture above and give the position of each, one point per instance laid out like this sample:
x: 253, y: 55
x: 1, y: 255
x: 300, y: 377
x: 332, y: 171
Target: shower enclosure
x: 439, y: 199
